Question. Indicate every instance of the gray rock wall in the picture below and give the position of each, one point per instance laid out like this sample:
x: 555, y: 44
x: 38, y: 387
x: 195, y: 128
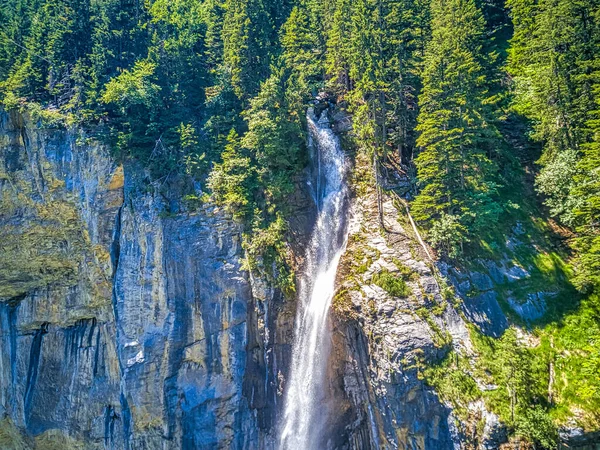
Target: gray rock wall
x: 382, y: 341
x: 158, y: 340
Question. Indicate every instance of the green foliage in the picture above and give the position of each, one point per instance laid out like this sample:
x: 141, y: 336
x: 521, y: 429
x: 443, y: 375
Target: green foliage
x: 448, y: 235
x: 373, y: 54
x: 233, y: 181
x: 392, y: 284
x: 60, y: 52
x: 585, y: 198
x: 554, y: 62
x: 550, y: 57
x: 267, y: 252
x: 459, y: 141
x: 556, y: 181
x: 536, y: 426
x: 257, y: 175
x: 133, y: 88
x: 577, y: 342
x: 246, y: 43
x: 303, y: 52
x: 521, y: 375
x: 453, y: 383
x: 275, y: 137
x: 406, y: 272
x: 218, y: 90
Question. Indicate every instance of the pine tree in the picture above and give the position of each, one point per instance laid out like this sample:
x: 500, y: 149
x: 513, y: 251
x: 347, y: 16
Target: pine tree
x: 337, y: 46
x: 246, y: 45
x: 458, y: 139
x: 550, y: 57
x: 233, y: 180
x: 374, y: 48
x: 58, y: 37
x: 553, y: 59
x: 586, y: 197
x: 214, y: 11
x: 15, y: 23
x: 275, y: 138
x: 302, y: 54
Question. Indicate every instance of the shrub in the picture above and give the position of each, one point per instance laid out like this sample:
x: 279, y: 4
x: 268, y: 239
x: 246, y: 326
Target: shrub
x: 390, y: 283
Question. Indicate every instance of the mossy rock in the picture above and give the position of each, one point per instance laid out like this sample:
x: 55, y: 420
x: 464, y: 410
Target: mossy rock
x: 43, y: 244
x: 10, y: 436
x: 392, y: 284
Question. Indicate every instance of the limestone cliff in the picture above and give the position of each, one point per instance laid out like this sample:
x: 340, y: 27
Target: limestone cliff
x: 126, y: 321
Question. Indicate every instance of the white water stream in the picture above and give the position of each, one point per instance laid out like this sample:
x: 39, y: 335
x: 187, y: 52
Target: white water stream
x: 305, y: 408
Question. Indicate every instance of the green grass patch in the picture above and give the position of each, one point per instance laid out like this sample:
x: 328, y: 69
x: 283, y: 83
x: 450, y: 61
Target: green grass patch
x: 406, y: 272
x: 451, y: 379
x: 392, y: 284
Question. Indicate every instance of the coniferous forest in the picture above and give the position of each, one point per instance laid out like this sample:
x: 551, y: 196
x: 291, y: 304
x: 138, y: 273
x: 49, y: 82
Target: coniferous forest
x: 489, y: 108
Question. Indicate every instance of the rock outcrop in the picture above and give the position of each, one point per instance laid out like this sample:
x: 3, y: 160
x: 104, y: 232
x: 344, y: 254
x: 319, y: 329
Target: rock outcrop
x: 149, y: 336
x: 382, y: 341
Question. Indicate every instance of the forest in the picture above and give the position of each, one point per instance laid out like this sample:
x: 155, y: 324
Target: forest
x: 491, y: 106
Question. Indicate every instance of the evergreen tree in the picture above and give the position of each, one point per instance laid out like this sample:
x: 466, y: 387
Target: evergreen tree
x: 585, y: 196
x: 213, y: 12
x: 337, y: 46
x: 302, y: 55
x: 15, y: 21
x: 57, y: 40
x: 458, y: 139
x: 554, y: 58
x: 275, y: 138
x: 233, y: 180
x: 550, y: 58
x: 246, y: 45
x: 374, y: 49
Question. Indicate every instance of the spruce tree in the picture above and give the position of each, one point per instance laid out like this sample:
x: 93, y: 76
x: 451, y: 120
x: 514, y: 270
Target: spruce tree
x: 586, y: 197
x: 458, y: 140
x: 275, y: 138
x: 374, y: 48
x: 302, y: 54
x: 246, y: 45
x: 337, y: 47
x: 233, y: 180
x: 553, y: 59
x: 550, y: 60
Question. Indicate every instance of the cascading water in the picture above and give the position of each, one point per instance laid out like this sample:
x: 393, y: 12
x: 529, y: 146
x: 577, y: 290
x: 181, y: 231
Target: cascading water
x: 305, y: 412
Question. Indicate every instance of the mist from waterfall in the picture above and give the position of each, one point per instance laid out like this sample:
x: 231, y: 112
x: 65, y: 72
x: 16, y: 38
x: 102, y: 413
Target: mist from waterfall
x: 305, y: 408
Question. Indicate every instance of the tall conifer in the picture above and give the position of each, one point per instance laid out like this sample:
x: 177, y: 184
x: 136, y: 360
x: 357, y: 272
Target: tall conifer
x: 458, y: 139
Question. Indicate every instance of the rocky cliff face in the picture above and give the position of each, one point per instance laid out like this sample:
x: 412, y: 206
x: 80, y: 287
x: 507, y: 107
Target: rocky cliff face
x: 126, y: 322
x: 58, y: 357
x: 387, y: 334
x: 382, y: 340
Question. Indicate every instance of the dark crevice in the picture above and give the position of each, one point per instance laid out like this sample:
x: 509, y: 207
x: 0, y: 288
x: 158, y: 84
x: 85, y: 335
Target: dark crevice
x: 110, y: 416
x: 115, y: 253
x: 115, y: 246
x: 34, y: 361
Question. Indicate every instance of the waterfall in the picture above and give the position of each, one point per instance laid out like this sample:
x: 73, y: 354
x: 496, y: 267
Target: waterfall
x: 305, y: 404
